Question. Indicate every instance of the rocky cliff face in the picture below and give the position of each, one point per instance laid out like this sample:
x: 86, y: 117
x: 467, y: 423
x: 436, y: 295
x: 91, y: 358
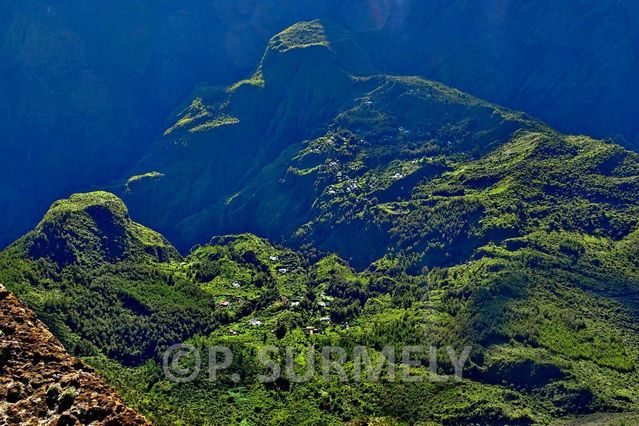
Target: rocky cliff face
x: 41, y: 384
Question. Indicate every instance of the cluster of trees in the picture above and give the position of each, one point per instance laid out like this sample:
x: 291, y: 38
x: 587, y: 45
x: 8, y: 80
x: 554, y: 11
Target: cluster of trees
x: 130, y: 312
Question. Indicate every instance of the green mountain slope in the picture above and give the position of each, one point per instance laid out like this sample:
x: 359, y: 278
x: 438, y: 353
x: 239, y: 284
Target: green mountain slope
x: 312, y: 154
x: 315, y: 120
x: 98, y: 280
x: 84, y: 88
x: 551, y: 317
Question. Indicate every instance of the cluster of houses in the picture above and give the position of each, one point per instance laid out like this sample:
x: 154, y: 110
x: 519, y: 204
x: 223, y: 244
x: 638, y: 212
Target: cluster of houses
x: 225, y: 303
x: 352, y: 186
x: 324, y: 303
x: 280, y: 270
x: 309, y: 329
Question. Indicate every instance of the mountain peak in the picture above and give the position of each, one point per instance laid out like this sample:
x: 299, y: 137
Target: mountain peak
x: 90, y: 226
x: 300, y: 35
x: 91, y: 204
x: 321, y: 44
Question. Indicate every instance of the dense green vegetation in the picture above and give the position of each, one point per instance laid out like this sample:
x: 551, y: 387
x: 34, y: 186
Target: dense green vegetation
x: 103, y: 283
x: 551, y: 317
x: 417, y: 214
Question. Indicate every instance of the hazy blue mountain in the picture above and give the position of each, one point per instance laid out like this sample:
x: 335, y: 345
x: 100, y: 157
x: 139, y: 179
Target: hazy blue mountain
x: 316, y: 146
x: 86, y: 87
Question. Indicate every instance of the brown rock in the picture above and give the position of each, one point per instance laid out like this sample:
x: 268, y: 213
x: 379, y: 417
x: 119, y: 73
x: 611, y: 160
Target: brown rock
x: 15, y: 392
x: 41, y: 384
x: 67, y: 420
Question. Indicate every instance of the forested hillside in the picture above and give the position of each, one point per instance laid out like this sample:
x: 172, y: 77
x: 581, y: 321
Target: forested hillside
x: 551, y: 318
x: 299, y: 175
x: 538, y: 276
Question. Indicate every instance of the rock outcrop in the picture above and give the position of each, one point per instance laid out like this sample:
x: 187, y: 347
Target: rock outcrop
x: 40, y: 383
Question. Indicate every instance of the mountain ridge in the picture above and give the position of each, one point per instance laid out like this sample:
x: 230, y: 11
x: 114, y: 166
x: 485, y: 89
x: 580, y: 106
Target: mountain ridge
x: 84, y: 103
x: 542, y: 312
x: 271, y: 118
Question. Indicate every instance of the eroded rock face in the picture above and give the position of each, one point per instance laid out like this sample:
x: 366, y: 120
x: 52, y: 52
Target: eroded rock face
x: 41, y: 384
